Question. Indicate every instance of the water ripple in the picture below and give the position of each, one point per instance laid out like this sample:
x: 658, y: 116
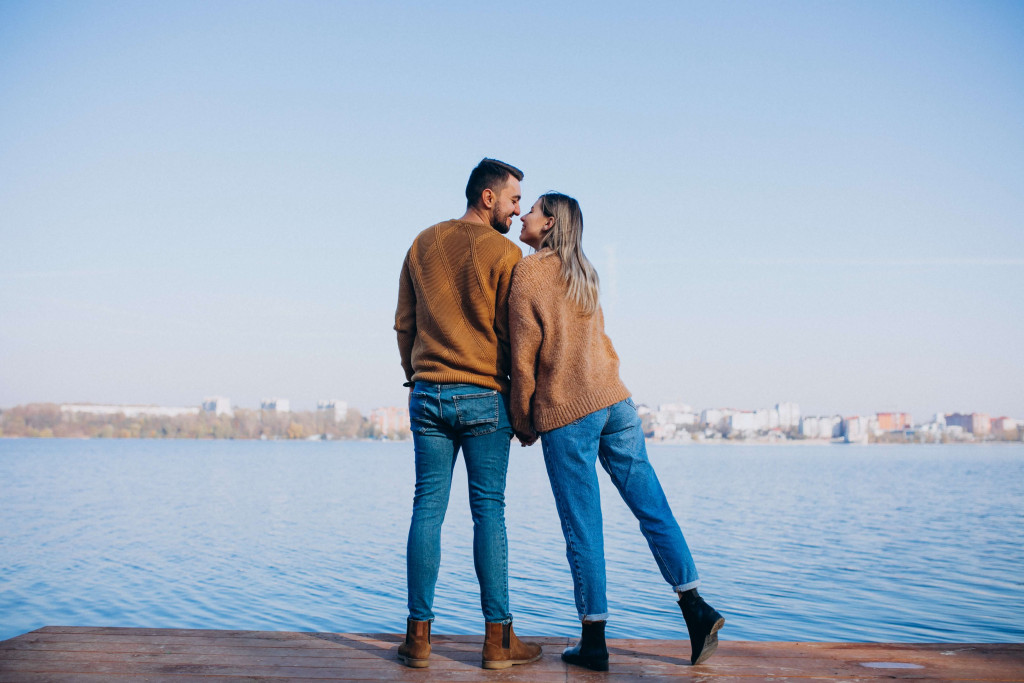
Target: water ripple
x: 875, y: 544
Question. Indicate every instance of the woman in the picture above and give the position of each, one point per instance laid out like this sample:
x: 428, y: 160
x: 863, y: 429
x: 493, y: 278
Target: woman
x: 566, y: 388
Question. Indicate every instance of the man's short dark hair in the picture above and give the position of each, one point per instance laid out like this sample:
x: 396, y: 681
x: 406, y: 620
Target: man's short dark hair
x: 489, y: 174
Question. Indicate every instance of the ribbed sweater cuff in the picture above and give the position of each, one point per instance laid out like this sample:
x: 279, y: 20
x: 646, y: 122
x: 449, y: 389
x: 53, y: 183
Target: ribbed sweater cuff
x: 552, y: 417
x: 522, y: 424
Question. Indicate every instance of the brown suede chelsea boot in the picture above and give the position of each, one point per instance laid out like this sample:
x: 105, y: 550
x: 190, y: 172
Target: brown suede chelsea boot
x: 415, y: 651
x: 503, y: 649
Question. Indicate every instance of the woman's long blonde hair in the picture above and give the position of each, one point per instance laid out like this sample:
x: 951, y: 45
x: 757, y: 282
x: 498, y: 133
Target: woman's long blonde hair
x: 565, y: 238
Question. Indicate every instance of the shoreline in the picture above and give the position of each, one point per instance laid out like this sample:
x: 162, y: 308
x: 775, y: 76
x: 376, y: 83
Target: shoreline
x: 649, y: 442
x: 819, y: 442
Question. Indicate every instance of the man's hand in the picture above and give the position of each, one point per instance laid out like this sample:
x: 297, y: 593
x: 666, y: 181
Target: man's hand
x: 527, y: 438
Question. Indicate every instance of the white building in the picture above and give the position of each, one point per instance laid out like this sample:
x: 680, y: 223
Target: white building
x: 333, y: 408
x: 958, y: 433
x: 1001, y: 425
x: 716, y: 418
x: 765, y: 419
x: 857, y: 429
x: 823, y: 427
x: 217, y: 405
x: 789, y: 415
x: 931, y: 431
x: 663, y: 432
x: 742, y: 422
x: 810, y: 427
x: 275, y: 405
x: 678, y: 414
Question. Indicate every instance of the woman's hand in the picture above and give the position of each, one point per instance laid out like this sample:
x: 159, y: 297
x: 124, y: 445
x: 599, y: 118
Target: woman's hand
x: 527, y: 439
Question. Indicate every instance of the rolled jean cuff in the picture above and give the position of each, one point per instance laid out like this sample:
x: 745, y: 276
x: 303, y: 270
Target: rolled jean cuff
x: 687, y: 586
x: 595, y: 617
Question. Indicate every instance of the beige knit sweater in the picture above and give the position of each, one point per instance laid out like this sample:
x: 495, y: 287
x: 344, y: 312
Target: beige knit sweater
x: 563, y: 364
x: 452, y: 314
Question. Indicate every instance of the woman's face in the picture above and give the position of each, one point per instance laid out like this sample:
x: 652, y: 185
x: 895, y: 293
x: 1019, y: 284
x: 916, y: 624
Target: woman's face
x: 535, y: 226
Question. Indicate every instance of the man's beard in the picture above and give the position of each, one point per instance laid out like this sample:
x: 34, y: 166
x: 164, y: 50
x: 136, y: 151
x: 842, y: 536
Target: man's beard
x: 500, y: 223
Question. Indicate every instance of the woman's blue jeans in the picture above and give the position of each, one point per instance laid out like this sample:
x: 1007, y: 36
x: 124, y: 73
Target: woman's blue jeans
x: 446, y: 418
x: 614, y: 436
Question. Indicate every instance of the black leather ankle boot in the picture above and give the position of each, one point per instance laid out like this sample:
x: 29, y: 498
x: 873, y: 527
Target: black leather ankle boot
x: 591, y: 651
x: 703, y: 622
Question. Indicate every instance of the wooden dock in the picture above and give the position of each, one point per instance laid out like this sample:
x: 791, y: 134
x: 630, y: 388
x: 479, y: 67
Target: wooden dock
x: 62, y: 653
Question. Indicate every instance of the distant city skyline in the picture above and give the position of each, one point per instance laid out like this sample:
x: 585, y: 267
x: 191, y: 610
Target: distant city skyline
x: 811, y: 202
x: 333, y: 419
x: 791, y: 413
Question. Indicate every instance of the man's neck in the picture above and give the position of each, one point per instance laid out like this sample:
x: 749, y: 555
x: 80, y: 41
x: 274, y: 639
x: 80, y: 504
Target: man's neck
x: 476, y: 215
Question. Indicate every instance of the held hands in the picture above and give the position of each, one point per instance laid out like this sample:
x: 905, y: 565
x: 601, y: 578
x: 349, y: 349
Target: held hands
x: 526, y: 438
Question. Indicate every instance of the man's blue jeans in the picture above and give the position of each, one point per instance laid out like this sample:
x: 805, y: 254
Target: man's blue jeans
x: 614, y: 436
x: 446, y: 418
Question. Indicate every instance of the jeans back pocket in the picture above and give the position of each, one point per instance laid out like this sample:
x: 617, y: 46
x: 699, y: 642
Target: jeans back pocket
x: 478, y: 410
x: 424, y: 412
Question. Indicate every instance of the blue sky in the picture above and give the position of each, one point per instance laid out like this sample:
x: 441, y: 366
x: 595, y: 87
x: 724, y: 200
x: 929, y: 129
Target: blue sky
x: 818, y: 202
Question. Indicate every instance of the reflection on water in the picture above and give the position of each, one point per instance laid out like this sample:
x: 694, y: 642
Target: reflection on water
x: 822, y: 543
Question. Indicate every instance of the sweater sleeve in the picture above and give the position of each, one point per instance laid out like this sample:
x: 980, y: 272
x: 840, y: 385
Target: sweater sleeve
x: 405, y: 318
x: 527, y: 333
x: 501, y: 303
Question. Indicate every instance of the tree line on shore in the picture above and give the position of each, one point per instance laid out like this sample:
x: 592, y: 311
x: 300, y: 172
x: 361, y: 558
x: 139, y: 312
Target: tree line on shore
x: 46, y: 420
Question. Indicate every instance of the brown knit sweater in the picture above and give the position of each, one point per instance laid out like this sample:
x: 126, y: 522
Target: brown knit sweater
x: 563, y: 364
x: 452, y: 316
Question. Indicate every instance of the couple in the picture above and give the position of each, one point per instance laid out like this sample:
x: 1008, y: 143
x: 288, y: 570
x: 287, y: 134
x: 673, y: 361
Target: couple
x: 488, y: 353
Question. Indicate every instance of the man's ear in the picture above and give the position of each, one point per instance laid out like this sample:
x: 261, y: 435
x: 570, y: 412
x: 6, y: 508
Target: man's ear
x: 487, y: 198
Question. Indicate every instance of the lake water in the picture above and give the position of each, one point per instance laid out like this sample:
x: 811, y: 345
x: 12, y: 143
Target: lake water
x: 794, y: 543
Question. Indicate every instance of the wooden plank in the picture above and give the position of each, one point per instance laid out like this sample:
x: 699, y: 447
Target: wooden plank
x: 163, y: 655
x: 137, y: 678
x: 172, y: 637
x: 111, y: 678
x: 396, y: 672
x: 201, y: 647
x: 126, y: 639
x: 439, y: 660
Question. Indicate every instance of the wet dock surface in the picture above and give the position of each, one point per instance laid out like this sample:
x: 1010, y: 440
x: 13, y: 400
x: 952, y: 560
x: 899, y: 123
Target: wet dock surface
x: 61, y: 653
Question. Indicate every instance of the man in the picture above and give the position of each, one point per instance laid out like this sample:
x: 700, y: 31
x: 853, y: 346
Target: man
x: 452, y: 324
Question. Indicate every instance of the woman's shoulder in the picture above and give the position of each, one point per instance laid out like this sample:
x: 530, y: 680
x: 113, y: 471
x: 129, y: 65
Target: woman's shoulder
x: 534, y: 273
x: 538, y: 262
